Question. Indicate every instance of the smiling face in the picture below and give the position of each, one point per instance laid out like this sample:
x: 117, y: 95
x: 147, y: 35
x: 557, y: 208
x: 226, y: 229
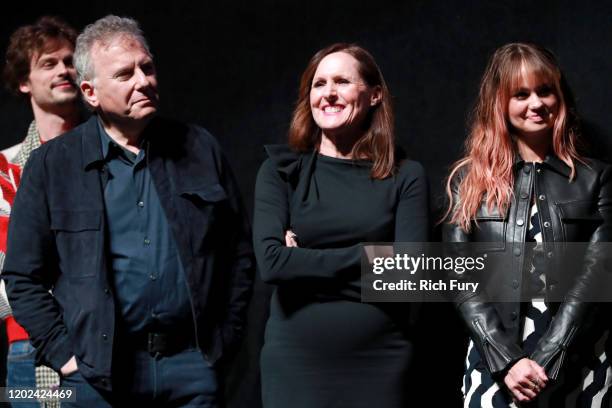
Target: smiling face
x: 51, y: 82
x: 533, y: 106
x: 339, y: 97
x: 124, y: 87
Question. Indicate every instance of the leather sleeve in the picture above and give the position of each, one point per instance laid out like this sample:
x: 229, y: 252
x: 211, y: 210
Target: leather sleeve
x: 551, y: 349
x: 485, y: 326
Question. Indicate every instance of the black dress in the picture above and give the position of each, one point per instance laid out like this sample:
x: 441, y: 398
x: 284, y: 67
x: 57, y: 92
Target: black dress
x: 323, y: 347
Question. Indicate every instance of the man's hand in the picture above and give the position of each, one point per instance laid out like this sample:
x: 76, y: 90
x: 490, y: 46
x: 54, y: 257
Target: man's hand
x: 70, y: 367
x: 525, y: 380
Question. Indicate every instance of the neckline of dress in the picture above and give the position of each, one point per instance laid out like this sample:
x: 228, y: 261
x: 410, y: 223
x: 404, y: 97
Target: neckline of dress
x: 361, y: 162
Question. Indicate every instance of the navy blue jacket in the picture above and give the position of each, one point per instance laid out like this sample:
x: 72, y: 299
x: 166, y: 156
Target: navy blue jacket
x: 57, y: 241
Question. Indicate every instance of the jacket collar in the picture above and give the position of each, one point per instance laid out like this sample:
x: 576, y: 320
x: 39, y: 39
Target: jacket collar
x: 558, y: 165
x: 93, y: 152
x: 92, y: 147
x: 551, y: 161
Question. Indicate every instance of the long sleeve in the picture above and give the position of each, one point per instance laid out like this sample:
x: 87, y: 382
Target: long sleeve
x: 8, y: 188
x: 551, y: 349
x: 495, y: 345
x: 279, y: 263
x: 31, y: 266
x: 242, y: 267
x: 412, y: 215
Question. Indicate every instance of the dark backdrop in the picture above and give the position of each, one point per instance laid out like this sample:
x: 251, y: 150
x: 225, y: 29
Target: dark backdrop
x: 234, y: 68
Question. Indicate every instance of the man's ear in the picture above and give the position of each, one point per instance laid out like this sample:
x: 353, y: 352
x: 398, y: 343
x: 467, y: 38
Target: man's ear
x: 24, y: 87
x: 89, y: 93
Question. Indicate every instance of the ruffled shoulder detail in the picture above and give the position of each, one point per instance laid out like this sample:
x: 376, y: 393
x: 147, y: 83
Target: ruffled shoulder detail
x: 287, y: 161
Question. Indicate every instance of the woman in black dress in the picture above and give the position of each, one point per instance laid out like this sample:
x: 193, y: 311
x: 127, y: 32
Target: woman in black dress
x: 524, y: 188
x: 335, y: 185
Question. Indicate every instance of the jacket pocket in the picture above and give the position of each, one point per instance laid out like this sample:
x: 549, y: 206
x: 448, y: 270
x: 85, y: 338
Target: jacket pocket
x: 78, y: 241
x: 213, y: 193
x: 579, y: 219
x: 489, y: 229
x: 204, y: 207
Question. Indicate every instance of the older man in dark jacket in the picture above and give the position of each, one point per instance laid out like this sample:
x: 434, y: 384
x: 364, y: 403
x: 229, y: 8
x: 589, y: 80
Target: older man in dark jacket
x: 136, y: 225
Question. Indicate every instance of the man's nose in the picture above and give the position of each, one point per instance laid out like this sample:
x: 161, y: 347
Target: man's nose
x: 63, y: 68
x: 142, y: 80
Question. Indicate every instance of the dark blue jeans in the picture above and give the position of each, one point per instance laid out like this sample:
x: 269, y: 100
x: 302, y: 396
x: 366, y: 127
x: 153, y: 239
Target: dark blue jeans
x: 21, y: 368
x: 181, y: 380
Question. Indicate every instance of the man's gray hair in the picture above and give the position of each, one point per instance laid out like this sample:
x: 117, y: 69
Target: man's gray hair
x: 102, y: 32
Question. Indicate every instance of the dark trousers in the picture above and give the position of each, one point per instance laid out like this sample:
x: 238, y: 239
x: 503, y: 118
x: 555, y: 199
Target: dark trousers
x: 181, y: 380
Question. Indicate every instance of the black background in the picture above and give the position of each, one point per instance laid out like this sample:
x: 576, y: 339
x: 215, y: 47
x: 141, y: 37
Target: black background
x: 234, y: 68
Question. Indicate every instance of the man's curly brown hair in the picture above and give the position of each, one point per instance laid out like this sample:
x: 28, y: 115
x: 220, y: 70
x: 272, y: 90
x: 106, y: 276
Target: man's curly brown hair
x: 27, y: 41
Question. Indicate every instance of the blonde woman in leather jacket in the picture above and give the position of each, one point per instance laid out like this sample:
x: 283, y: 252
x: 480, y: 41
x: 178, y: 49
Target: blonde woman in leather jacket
x: 523, y: 180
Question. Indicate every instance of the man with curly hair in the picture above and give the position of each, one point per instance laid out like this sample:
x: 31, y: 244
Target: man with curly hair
x: 39, y: 69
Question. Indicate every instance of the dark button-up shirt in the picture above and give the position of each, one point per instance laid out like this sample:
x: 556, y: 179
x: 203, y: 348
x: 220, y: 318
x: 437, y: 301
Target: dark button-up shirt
x: 146, y: 272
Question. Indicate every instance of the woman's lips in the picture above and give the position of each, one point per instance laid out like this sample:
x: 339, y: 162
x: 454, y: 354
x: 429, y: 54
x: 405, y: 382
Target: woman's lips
x: 535, y: 118
x: 332, y: 109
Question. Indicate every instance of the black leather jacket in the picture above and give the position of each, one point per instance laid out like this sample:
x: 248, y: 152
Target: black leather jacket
x: 570, y: 211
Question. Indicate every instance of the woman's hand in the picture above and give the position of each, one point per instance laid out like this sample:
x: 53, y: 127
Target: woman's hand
x: 378, y: 251
x: 525, y: 380
x: 291, y: 239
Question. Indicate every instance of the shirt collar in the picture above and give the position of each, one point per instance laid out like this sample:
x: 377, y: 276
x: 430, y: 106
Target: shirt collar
x: 93, y: 145
x: 111, y: 149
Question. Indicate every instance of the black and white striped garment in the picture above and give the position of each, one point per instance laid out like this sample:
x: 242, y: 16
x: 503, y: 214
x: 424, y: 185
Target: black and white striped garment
x: 587, y: 385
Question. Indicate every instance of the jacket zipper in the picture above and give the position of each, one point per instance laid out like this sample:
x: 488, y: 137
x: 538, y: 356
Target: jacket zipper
x: 487, y: 340
x: 556, y: 367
